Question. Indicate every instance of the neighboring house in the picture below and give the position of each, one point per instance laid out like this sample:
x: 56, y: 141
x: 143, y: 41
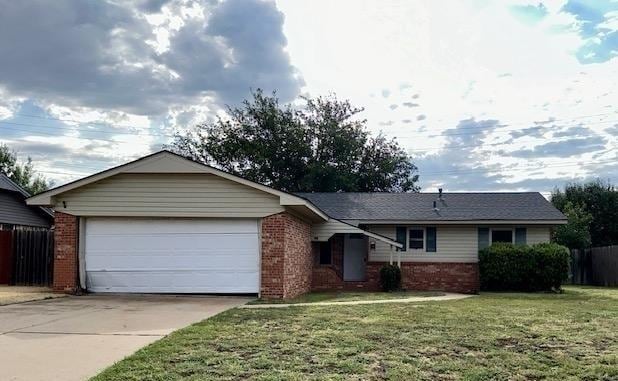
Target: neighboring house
x: 15, y: 214
x: 165, y: 224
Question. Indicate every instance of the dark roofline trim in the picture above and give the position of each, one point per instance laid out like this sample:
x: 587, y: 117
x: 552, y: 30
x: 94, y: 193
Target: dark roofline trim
x: 463, y: 222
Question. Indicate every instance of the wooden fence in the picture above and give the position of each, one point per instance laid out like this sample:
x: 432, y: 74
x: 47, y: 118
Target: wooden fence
x: 6, y: 254
x: 30, y: 256
x: 596, y: 266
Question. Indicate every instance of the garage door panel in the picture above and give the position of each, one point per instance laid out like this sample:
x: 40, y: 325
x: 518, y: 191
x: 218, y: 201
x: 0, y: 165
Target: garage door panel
x: 137, y: 226
x: 121, y: 262
x: 171, y: 242
x: 172, y: 255
x: 173, y: 282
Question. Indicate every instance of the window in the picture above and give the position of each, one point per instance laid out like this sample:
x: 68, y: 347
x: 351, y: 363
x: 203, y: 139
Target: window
x: 325, y: 253
x: 417, y: 239
x: 501, y: 236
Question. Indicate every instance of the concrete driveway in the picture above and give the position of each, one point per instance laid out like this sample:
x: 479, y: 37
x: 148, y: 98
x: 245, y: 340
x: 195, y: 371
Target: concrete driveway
x: 76, y: 337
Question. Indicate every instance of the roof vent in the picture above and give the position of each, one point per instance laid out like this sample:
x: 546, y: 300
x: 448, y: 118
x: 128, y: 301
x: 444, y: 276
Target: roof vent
x: 435, y: 206
x: 440, y: 193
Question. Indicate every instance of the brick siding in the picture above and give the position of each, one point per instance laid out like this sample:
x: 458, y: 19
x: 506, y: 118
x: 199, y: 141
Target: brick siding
x: 452, y: 277
x: 441, y: 276
x: 287, y: 258
x: 65, y: 253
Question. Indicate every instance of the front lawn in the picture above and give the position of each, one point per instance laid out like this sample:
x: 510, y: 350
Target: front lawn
x: 348, y: 296
x: 569, y: 336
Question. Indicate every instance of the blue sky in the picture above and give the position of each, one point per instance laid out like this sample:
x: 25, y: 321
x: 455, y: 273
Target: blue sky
x: 486, y: 95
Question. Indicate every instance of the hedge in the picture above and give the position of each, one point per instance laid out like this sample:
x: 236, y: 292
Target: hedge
x: 507, y: 267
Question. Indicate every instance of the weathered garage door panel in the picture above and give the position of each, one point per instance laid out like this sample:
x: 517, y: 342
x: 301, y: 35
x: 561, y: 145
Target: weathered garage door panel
x: 172, y: 255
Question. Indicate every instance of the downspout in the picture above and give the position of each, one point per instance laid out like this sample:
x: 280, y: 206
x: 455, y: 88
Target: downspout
x: 81, y: 253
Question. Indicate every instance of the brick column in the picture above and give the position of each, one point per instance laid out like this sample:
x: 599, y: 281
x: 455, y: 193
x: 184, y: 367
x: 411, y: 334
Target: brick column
x: 65, y: 253
x: 287, y: 259
x: 273, y: 247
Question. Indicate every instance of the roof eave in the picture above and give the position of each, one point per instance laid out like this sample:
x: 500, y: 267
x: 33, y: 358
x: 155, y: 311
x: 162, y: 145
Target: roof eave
x: 455, y: 222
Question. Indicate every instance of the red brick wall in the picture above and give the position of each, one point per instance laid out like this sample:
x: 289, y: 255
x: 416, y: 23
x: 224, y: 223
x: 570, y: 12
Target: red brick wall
x: 273, y: 249
x: 65, y: 253
x: 287, y: 258
x: 298, y: 257
x: 329, y: 277
x: 450, y: 277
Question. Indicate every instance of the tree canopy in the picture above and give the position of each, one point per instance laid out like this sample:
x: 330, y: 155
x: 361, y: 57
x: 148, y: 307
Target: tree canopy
x: 576, y: 233
x: 22, y: 174
x: 321, y: 146
x: 597, y: 198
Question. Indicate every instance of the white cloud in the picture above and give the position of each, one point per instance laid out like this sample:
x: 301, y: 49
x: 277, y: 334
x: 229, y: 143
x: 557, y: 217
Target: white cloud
x: 465, y: 59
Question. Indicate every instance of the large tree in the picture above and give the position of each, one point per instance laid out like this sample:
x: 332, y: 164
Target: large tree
x: 576, y: 233
x: 600, y: 200
x: 321, y: 146
x: 22, y: 174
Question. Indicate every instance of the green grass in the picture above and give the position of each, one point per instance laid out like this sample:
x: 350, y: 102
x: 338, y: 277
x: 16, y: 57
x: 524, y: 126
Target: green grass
x: 569, y: 336
x: 348, y: 296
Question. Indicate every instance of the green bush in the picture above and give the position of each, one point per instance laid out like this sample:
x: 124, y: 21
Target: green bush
x: 390, y: 277
x: 507, y: 267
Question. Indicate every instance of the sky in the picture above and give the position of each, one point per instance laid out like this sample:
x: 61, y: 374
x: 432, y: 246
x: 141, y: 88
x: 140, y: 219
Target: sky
x: 485, y: 95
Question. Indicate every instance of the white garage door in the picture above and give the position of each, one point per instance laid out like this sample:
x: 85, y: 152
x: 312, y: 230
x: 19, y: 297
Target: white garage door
x: 172, y: 255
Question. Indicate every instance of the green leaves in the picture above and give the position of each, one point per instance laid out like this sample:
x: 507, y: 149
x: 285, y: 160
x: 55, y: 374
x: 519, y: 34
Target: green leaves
x: 596, y: 198
x: 321, y: 146
x: 576, y: 233
x: 507, y: 267
x: 22, y: 174
x: 390, y: 278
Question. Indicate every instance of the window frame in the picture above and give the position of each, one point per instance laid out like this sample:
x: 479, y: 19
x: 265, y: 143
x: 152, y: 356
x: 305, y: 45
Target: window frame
x: 423, y: 239
x: 491, y: 234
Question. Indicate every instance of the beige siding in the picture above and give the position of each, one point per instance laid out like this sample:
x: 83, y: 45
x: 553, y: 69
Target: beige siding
x: 323, y: 231
x: 167, y: 195
x: 455, y: 243
x: 537, y: 235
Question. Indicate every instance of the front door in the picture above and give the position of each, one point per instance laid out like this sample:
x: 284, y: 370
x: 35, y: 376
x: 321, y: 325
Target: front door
x: 354, y: 251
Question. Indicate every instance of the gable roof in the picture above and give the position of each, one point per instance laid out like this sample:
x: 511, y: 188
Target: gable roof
x: 169, y: 162
x: 531, y: 206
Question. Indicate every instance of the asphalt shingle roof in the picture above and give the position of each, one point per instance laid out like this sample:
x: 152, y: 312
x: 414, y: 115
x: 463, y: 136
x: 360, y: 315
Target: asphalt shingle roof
x: 419, y: 206
x: 8, y: 184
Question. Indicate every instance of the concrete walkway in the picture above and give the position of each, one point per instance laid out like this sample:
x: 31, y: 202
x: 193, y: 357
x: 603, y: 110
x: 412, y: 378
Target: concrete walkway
x: 446, y: 296
x: 73, y: 338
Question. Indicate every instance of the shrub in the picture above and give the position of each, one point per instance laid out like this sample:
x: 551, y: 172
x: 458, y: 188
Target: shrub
x: 390, y: 277
x: 507, y: 267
